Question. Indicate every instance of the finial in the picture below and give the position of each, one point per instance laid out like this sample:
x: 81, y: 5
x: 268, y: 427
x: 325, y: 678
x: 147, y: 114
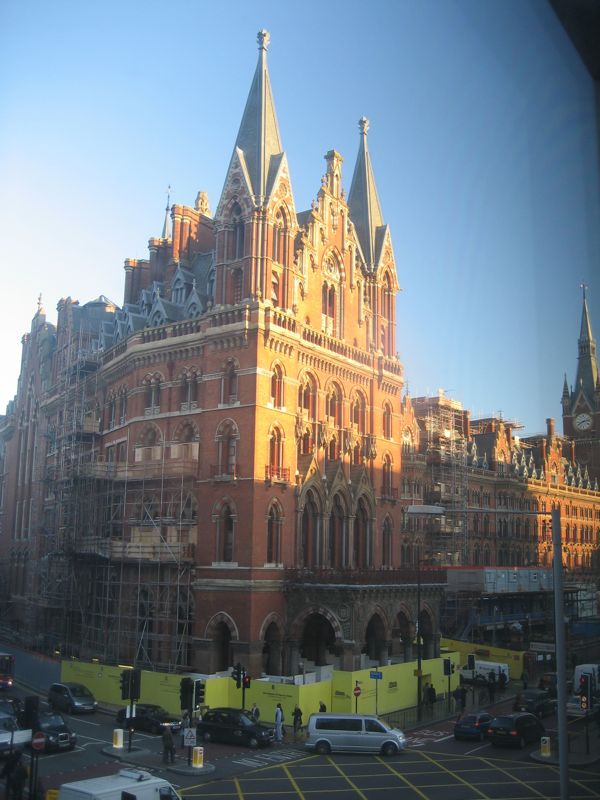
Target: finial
x: 263, y: 38
x: 363, y: 124
x: 168, y: 197
x: 583, y: 286
x: 39, y: 302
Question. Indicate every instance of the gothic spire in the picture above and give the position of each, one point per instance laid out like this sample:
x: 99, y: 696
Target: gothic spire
x: 258, y: 137
x: 587, y: 364
x: 363, y: 200
x: 166, y: 231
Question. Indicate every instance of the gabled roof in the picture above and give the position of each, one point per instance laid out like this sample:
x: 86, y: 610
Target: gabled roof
x: 258, y: 137
x: 363, y: 200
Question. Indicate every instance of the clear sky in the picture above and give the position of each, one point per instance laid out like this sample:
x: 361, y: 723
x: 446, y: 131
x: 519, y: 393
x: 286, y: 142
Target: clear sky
x: 482, y: 137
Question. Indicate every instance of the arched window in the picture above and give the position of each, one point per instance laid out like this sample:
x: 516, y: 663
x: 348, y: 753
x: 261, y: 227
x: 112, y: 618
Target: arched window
x: 274, y: 525
x: 123, y: 407
x: 225, y: 534
x: 237, y: 284
x: 152, y: 395
x: 387, y: 330
x: 386, y: 543
x: 188, y: 391
x: 275, y: 469
x: 310, y: 533
x: 227, y: 443
x: 358, y: 413
x: 210, y: 286
x: 338, y: 545
x: 275, y: 290
x: 277, y: 387
x: 362, y: 538
x: 230, y: 384
x: 329, y: 310
x: 236, y: 234
x: 307, y: 397
x: 279, y: 239
x: 387, y: 489
x: 387, y: 421
x: 333, y: 406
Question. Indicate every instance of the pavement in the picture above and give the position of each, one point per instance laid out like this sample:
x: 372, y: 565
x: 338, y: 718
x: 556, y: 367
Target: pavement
x: 139, y: 757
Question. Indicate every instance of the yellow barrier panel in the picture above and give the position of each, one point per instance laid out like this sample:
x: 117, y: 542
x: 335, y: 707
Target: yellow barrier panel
x: 118, y: 738
x: 198, y: 757
x: 51, y: 794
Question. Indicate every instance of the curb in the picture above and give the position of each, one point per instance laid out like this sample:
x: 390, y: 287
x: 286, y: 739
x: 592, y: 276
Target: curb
x: 139, y: 757
x: 573, y: 759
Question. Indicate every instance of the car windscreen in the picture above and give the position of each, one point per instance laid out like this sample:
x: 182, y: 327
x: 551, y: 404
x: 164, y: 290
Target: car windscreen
x: 51, y: 721
x: 502, y: 722
x: 470, y: 719
x: 80, y: 691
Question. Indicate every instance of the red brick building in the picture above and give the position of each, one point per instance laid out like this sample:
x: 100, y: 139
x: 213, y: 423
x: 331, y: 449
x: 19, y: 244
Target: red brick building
x: 218, y: 470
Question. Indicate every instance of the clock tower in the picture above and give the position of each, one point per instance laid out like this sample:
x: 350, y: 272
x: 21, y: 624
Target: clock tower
x: 581, y: 403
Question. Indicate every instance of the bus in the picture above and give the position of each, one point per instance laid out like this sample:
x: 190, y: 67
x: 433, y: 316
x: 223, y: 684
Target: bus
x: 7, y: 670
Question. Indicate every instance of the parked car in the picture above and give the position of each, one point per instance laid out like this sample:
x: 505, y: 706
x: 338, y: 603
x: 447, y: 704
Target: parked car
x: 148, y: 717
x: 549, y: 682
x: 574, y: 708
x: 12, y: 706
x: 536, y: 701
x: 326, y: 733
x: 72, y: 698
x: 515, y: 730
x: 233, y: 726
x: 58, y: 734
x: 473, y: 726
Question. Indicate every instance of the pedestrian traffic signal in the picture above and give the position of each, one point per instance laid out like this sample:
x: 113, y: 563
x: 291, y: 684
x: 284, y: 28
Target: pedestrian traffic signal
x: 199, y: 693
x: 238, y: 675
x: 584, y: 691
x: 125, y: 682
x: 186, y: 693
x: 471, y: 661
x: 246, y: 681
x: 135, y: 684
x: 447, y: 666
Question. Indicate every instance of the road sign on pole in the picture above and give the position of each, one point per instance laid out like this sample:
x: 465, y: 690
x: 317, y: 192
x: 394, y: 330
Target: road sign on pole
x: 376, y: 675
x: 38, y: 740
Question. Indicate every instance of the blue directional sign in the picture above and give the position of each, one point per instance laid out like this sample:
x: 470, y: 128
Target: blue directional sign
x: 377, y: 676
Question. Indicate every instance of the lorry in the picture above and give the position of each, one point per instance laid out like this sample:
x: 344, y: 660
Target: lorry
x: 481, y: 671
x: 127, y: 784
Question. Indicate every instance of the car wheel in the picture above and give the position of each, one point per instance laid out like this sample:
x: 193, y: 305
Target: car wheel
x: 206, y: 737
x: 322, y: 748
x: 253, y: 742
x: 389, y: 749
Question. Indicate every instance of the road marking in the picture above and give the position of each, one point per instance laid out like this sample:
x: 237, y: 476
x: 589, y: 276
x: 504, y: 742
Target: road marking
x: 292, y: 780
x: 352, y: 784
x: 403, y: 777
x: 86, y: 721
x: 454, y: 775
x: 512, y: 777
x: 443, y: 739
x: 485, y: 746
x: 238, y: 788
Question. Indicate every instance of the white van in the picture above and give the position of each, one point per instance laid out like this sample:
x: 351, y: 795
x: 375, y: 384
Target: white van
x: 482, y: 671
x: 134, y: 782
x: 330, y: 732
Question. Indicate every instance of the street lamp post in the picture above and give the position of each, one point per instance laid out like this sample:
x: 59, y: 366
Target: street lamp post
x: 419, y: 653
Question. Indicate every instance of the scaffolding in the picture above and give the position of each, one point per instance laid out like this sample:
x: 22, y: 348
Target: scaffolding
x: 119, y: 531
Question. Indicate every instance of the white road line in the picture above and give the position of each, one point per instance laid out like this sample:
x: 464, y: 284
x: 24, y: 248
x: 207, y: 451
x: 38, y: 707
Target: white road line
x: 86, y: 721
x: 482, y: 747
x: 443, y: 739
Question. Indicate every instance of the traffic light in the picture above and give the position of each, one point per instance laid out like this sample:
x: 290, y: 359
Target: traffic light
x: 186, y: 693
x: 471, y: 661
x: 246, y: 681
x: 199, y: 693
x: 237, y: 674
x: 125, y: 682
x: 447, y: 666
x: 135, y: 684
x: 584, y: 691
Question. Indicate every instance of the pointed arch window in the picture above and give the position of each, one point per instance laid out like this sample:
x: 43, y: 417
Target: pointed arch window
x: 358, y: 414
x: 277, y: 387
x: 333, y: 406
x: 279, y: 238
x: 236, y: 234
x: 275, y: 290
x: 152, y: 395
x: 225, y: 534
x: 310, y: 534
x: 237, y: 283
x: 387, y: 421
x: 338, y: 544
x: 230, y: 384
x: 210, y: 286
x: 387, y: 489
x: 386, y: 543
x: 307, y: 396
x: 362, y: 538
x: 275, y: 469
x: 274, y: 526
x: 227, y: 444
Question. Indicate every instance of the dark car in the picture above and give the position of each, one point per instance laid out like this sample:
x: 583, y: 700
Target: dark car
x: 148, y: 717
x: 58, y: 734
x: 473, y: 726
x: 536, y: 701
x: 72, y: 698
x: 515, y: 730
x: 233, y: 726
x: 12, y: 706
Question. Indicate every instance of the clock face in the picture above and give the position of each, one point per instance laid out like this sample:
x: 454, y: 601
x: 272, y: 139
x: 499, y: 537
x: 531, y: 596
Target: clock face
x: 583, y: 422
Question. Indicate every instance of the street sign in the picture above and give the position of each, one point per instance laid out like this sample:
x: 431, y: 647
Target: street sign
x: 356, y: 691
x: 377, y: 676
x: 38, y: 740
x: 189, y: 737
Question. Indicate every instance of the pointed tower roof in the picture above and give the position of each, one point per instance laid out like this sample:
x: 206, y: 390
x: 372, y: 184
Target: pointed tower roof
x: 166, y: 231
x: 258, y: 137
x: 363, y: 200
x: 587, y: 364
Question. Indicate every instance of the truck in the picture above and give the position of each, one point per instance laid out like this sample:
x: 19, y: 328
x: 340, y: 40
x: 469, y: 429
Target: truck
x: 482, y: 670
x: 127, y: 784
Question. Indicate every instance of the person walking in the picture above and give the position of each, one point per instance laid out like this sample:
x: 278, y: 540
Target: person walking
x: 525, y: 679
x: 168, y: 746
x: 18, y: 777
x: 501, y: 683
x: 322, y: 707
x: 463, y: 699
x: 279, y: 720
x: 297, y: 722
x: 492, y: 685
x: 255, y: 712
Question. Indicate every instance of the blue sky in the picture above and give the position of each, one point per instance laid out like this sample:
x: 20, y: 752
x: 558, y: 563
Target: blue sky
x: 482, y: 137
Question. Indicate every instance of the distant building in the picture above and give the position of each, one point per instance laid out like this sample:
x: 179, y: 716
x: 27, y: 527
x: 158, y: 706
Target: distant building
x: 220, y: 469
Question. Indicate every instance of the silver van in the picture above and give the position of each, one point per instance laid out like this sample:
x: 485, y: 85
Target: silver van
x: 352, y: 733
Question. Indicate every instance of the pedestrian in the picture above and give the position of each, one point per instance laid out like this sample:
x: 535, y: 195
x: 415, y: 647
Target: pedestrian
x: 322, y: 707
x: 168, y: 745
x: 255, y: 712
x: 492, y: 685
x: 432, y: 697
x: 279, y: 720
x: 297, y: 722
x: 525, y: 678
x: 185, y: 723
x: 463, y: 698
x: 501, y: 682
x: 456, y: 694
x: 18, y: 778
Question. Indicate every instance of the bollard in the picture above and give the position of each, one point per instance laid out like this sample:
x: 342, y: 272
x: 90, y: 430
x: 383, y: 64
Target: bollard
x: 545, y: 746
x: 198, y: 757
x: 118, y: 738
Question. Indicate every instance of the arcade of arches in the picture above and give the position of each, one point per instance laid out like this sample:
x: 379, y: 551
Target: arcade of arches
x: 377, y: 630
